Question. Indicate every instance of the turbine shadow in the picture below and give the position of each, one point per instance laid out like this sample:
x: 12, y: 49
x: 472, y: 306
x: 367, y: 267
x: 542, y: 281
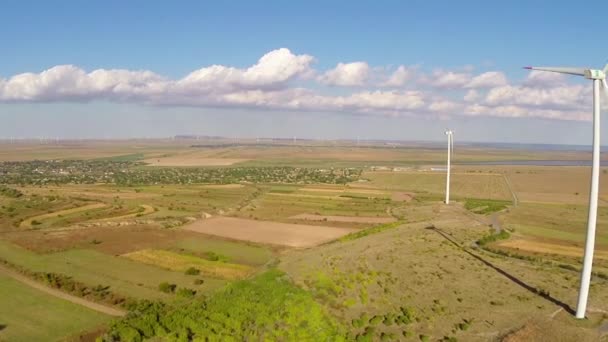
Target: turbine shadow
x: 504, y: 273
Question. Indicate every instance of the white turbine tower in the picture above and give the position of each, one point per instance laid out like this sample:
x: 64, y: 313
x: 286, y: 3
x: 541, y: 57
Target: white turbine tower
x: 450, y: 135
x: 598, y: 77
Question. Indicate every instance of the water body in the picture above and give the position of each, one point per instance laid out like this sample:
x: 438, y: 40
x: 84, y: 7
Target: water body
x: 537, y: 162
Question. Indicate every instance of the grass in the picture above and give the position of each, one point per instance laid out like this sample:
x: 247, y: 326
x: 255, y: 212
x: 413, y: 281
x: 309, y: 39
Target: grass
x: 565, y: 223
x: 491, y: 186
x: 31, y: 315
x: 281, y: 206
x: 183, y: 263
x: 124, y: 276
x: 485, y: 206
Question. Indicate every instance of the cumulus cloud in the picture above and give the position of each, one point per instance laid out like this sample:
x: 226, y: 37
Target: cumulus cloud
x: 487, y: 80
x: 399, y: 77
x: 448, y: 79
x: 511, y: 111
x: 471, y: 95
x: 283, y: 80
x: 346, y: 74
x: 565, y: 97
x: 543, y: 79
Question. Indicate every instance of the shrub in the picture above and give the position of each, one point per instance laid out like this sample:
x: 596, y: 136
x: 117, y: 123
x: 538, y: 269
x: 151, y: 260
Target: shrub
x: 166, y: 287
x: 186, y: 293
x: 375, y: 320
x: 199, y: 281
x: 192, y: 271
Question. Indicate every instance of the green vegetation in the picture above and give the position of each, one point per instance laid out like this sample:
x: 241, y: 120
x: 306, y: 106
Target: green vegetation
x: 166, y: 287
x: 503, y: 235
x: 192, y: 271
x: 124, y: 277
x: 27, y: 314
x: 222, y: 250
x: 485, y: 206
x: 267, y: 307
x: 369, y: 231
x: 10, y: 192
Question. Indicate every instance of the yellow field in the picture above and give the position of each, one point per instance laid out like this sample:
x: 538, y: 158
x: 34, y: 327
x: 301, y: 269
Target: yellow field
x: 181, y: 262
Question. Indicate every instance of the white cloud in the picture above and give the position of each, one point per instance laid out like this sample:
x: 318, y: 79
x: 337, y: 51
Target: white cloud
x: 444, y: 106
x: 282, y: 80
x: 511, y: 111
x: 544, y: 79
x: 565, y: 97
x: 349, y: 74
x: 487, y: 80
x: 471, y: 95
x: 399, y: 77
x: 448, y: 79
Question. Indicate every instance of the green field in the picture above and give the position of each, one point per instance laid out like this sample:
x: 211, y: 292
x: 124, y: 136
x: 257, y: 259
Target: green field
x: 231, y: 251
x: 27, y: 314
x: 557, y: 222
x: 125, y: 277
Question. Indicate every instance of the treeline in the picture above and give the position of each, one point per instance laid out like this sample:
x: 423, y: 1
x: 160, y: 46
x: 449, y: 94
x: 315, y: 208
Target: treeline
x: 266, y: 308
x: 129, y: 173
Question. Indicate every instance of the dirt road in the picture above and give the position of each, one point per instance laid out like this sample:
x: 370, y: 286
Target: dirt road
x: 59, y: 294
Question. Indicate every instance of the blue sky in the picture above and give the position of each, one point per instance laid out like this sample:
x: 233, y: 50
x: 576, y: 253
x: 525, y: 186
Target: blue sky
x: 174, y: 39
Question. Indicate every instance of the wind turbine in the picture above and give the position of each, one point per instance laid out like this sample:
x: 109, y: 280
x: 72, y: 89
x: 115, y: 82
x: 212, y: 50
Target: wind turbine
x: 598, y: 77
x: 450, y: 135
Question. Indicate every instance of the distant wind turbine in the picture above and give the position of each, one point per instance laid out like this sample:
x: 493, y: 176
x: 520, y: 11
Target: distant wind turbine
x: 599, y: 78
x: 450, y: 135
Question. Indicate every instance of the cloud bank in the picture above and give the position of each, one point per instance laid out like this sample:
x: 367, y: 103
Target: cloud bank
x: 282, y: 80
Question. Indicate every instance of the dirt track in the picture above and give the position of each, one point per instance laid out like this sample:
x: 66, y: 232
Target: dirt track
x: 59, y: 294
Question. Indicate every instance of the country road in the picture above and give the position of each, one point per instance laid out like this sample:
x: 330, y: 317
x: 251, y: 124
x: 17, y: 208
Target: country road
x: 510, y: 186
x: 59, y: 294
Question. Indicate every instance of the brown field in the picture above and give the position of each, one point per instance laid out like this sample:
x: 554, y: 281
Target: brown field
x: 111, y: 240
x: 89, y: 191
x: 470, y: 185
x: 222, y: 186
x: 266, y: 232
x: 320, y: 196
x: 334, y: 218
x: 191, y: 160
x: 547, y: 184
x: 345, y: 190
x: 403, y: 196
x: 549, y: 248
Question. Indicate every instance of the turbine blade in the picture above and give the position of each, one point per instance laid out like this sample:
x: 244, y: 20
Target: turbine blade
x: 561, y: 70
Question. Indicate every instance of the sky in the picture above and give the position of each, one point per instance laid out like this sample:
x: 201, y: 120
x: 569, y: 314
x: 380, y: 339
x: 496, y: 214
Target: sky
x: 314, y: 69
